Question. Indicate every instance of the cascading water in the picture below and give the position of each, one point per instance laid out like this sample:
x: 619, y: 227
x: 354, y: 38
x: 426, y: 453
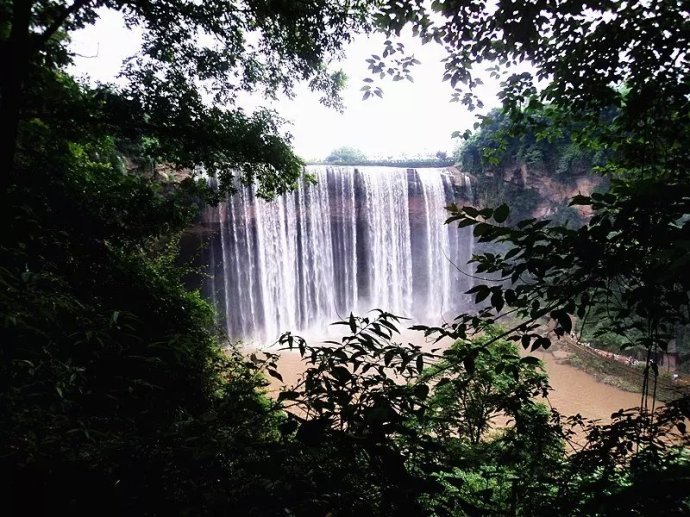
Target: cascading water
x: 357, y: 239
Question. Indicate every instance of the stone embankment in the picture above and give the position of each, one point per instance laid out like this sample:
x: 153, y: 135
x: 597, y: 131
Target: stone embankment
x: 619, y: 370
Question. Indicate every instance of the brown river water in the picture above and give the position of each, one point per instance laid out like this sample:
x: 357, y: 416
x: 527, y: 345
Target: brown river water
x: 574, y: 390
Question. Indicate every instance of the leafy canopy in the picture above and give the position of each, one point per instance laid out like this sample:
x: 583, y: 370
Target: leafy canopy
x: 178, y: 95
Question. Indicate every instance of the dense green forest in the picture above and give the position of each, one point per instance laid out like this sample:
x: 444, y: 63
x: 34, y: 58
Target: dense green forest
x: 116, y: 396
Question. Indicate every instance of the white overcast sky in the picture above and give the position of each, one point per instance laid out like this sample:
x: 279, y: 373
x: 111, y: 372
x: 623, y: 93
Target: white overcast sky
x: 411, y: 119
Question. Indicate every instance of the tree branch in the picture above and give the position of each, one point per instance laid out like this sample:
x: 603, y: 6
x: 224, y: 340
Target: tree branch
x: 61, y: 19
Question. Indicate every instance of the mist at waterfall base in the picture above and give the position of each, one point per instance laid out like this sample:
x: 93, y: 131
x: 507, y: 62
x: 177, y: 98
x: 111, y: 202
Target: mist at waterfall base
x: 358, y: 238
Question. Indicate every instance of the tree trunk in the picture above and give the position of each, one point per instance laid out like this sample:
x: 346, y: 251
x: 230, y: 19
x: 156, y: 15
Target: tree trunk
x: 14, y: 63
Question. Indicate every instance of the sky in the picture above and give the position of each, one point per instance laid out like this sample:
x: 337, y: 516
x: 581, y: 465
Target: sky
x: 411, y: 119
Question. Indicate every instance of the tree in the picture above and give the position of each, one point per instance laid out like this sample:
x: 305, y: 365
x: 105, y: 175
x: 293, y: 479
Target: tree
x: 616, y: 76
x: 495, y: 147
x: 114, y: 389
x: 346, y: 155
x: 115, y: 395
x: 190, y: 50
x: 509, y: 167
x: 408, y: 427
x: 442, y: 155
x: 475, y: 391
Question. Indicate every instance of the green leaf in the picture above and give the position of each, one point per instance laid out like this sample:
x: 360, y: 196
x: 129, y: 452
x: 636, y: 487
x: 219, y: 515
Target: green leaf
x: 497, y: 300
x: 501, y: 213
x: 483, y: 292
x: 565, y: 322
x: 442, y: 382
x: 580, y: 200
x: 530, y: 360
x: 288, y: 395
x: 341, y: 373
x: 471, y: 211
x: 421, y: 391
x: 275, y: 374
x: 513, y: 252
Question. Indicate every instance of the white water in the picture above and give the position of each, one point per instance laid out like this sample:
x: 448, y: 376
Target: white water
x: 361, y: 238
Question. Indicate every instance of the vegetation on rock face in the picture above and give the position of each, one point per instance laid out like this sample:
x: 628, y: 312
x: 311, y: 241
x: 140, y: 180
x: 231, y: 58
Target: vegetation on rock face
x: 494, y: 148
x: 115, y: 396
x: 532, y: 171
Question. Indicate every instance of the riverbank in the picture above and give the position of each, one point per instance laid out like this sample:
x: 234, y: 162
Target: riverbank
x: 614, y: 370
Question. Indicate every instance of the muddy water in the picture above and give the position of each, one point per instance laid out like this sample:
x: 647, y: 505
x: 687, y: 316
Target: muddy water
x: 574, y: 391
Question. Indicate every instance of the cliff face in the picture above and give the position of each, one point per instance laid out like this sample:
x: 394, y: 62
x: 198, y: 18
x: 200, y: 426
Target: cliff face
x: 555, y: 191
x: 535, y: 172
x: 535, y: 192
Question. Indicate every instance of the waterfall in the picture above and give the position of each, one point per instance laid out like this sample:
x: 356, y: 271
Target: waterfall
x: 356, y: 239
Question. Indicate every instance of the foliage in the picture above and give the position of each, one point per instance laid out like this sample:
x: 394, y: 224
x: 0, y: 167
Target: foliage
x: 487, y: 381
x: 191, y: 51
x: 491, y: 152
x: 110, y: 374
x: 346, y: 155
x: 417, y: 421
x: 499, y: 469
x: 607, y: 75
x: 508, y: 164
x: 497, y: 147
x: 360, y: 394
x: 404, y: 423
x: 115, y: 395
x: 615, y: 76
